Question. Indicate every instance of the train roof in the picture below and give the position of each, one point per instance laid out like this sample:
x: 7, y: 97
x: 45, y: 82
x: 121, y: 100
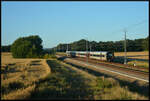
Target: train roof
x: 88, y: 51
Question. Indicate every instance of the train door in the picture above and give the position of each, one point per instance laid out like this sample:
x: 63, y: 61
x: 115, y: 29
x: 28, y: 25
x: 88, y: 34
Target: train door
x: 87, y: 55
x: 100, y: 55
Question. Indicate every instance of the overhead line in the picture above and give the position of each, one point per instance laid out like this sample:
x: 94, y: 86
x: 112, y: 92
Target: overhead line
x: 129, y: 27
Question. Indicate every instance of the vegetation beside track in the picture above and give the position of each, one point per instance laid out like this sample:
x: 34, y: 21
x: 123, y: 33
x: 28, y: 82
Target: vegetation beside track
x: 66, y: 82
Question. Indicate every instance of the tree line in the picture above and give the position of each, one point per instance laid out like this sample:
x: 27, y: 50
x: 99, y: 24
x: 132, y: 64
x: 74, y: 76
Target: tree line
x: 141, y: 44
x: 31, y: 46
x: 5, y: 48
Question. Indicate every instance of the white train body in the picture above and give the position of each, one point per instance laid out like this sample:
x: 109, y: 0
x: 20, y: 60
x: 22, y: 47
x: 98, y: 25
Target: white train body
x: 99, y: 55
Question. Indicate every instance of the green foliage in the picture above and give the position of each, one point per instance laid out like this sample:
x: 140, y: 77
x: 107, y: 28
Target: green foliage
x: 104, y: 83
x: 49, y: 51
x: 146, y: 44
x: 46, y: 56
x: 63, y: 83
x: 27, y: 47
x: 6, y: 48
x: 117, y: 46
x: 11, y: 86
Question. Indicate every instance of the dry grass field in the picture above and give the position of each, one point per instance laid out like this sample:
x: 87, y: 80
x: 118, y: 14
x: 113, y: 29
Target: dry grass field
x: 134, y: 55
x: 18, y: 76
x: 67, y: 82
x: 139, y: 58
x: 53, y: 79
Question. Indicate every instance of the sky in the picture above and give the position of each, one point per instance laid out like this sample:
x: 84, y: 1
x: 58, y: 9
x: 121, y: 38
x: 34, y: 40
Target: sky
x: 66, y: 22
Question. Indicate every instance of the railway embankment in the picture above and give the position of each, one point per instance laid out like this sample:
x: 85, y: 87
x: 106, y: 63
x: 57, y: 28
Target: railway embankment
x: 133, y: 84
x: 69, y: 82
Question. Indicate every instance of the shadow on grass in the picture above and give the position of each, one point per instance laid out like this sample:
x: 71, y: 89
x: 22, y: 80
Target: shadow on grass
x: 34, y: 64
x: 5, y: 89
x: 62, y: 58
x: 63, y: 83
x: 133, y: 87
x: 9, y: 69
x: 35, y: 61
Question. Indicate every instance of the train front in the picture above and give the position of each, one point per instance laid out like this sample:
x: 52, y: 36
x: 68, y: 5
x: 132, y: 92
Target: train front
x: 110, y: 56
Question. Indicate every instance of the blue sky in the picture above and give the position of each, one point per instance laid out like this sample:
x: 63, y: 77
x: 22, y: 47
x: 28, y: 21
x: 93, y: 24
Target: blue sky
x: 65, y: 22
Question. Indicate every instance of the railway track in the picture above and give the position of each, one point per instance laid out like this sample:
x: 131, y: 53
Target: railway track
x: 131, y: 73
x: 115, y: 66
x: 130, y: 67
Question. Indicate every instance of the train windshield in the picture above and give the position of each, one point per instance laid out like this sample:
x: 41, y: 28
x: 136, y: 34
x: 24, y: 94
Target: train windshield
x: 110, y: 54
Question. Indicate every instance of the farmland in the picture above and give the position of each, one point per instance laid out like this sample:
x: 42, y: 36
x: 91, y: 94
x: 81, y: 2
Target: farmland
x: 19, y: 76
x: 134, y: 55
x: 53, y: 79
x: 139, y: 58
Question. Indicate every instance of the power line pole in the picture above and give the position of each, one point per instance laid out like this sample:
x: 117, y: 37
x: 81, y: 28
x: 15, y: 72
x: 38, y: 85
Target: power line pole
x: 67, y: 47
x: 125, y: 48
x: 87, y: 51
x: 90, y: 47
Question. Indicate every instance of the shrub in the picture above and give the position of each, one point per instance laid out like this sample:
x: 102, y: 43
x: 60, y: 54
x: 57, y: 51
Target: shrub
x: 27, y: 47
x: 46, y: 56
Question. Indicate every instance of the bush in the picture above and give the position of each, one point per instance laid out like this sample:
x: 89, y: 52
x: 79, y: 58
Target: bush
x: 5, y: 48
x: 27, y: 47
x: 46, y: 56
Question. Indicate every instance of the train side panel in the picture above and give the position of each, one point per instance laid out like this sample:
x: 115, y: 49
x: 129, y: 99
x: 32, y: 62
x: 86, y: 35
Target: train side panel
x: 105, y: 56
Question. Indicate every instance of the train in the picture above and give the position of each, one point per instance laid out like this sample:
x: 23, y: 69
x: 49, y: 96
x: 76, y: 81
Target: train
x: 98, y: 55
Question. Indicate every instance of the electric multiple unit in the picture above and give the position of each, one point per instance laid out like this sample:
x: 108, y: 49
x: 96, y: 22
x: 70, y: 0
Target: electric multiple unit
x: 99, y: 55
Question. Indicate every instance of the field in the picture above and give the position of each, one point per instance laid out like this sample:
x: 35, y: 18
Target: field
x: 138, y: 58
x: 134, y: 55
x: 18, y: 76
x: 53, y: 79
x: 68, y: 82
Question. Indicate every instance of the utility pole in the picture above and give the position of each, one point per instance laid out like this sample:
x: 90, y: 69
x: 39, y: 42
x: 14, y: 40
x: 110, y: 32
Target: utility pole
x: 67, y: 47
x: 87, y: 50
x: 125, y: 49
x: 62, y: 49
x: 90, y: 47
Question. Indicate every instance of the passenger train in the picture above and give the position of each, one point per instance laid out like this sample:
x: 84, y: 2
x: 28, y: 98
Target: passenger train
x: 98, y: 55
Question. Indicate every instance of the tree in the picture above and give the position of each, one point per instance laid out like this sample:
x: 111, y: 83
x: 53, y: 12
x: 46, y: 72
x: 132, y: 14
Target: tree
x: 6, y: 48
x: 117, y: 46
x: 27, y: 47
x: 145, y: 43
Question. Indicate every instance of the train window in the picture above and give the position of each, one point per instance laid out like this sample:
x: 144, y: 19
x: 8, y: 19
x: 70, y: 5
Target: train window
x: 82, y: 54
x: 102, y: 55
x: 110, y: 54
x: 97, y: 55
